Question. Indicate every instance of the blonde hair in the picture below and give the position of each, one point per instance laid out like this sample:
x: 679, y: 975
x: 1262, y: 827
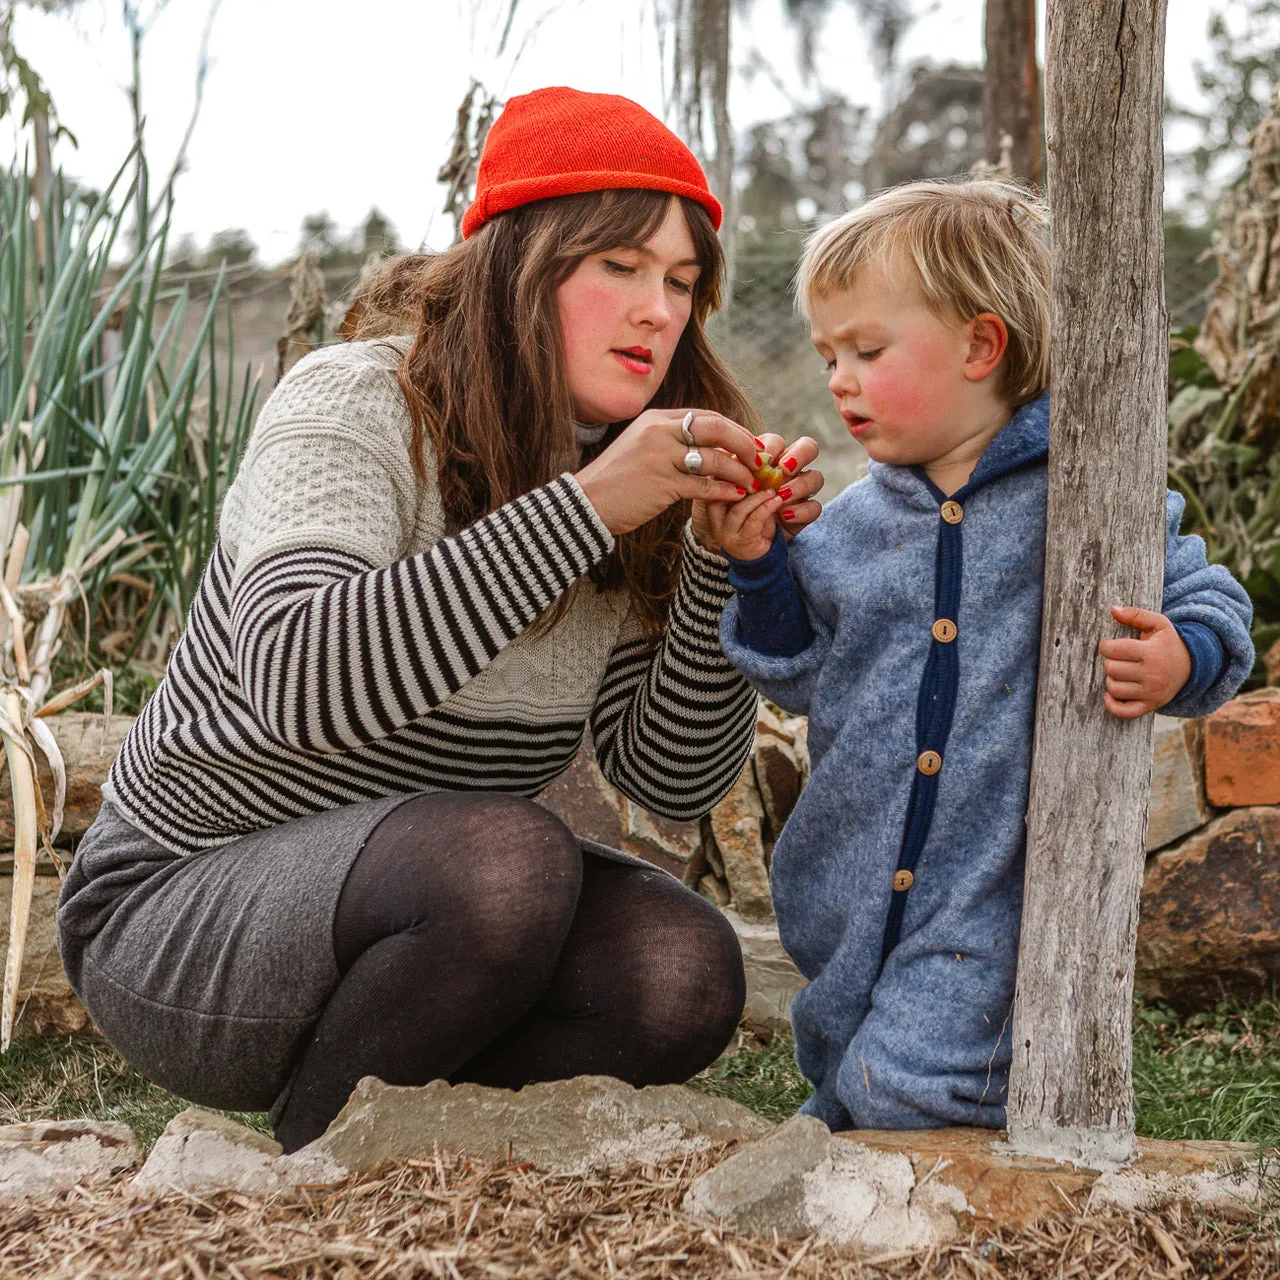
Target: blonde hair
x: 971, y: 246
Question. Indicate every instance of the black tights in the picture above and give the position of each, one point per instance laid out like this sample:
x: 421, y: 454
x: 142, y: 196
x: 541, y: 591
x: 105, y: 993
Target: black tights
x: 476, y: 942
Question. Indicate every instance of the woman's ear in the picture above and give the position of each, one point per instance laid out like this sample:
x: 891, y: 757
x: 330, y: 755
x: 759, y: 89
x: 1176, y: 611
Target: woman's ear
x: 988, y: 341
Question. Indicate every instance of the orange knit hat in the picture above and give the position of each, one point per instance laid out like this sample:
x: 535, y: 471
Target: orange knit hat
x: 559, y: 142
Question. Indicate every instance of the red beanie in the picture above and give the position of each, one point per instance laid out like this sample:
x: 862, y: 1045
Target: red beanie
x: 559, y: 142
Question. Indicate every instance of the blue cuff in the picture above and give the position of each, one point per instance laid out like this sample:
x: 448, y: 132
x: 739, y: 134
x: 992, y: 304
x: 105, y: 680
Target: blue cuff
x: 1207, y: 657
x: 771, y: 616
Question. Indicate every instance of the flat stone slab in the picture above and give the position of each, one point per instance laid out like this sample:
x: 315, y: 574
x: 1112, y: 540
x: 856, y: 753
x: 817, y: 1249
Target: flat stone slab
x: 583, y: 1125
x: 40, y: 1160
x: 892, y: 1190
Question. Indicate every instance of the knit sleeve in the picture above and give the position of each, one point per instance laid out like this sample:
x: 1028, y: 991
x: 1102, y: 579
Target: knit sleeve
x: 673, y: 723
x: 1205, y: 594
x: 333, y: 652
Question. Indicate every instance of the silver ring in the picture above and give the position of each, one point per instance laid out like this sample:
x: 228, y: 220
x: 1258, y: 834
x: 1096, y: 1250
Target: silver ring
x: 693, y: 462
x: 685, y: 431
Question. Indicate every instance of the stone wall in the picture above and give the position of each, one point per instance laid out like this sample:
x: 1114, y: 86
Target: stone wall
x: 1209, y: 924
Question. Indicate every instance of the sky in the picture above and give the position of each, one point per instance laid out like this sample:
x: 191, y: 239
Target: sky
x: 330, y: 105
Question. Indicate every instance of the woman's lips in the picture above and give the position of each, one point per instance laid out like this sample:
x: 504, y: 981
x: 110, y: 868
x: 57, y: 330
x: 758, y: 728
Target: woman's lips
x: 634, y: 359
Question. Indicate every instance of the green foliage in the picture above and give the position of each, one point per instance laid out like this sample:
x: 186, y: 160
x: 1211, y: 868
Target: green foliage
x: 121, y: 433
x: 1232, y: 488
x: 766, y: 1079
x: 1209, y: 1075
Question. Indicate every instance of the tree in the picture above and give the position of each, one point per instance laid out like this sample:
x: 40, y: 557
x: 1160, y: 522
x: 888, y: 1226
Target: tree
x: 803, y: 167
x: 1236, y: 78
x: 934, y: 131
x: 1011, y: 85
x: 377, y: 235
x: 232, y: 246
x: 1070, y: 1089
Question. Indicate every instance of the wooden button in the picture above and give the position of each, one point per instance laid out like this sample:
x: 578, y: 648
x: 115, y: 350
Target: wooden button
x: 928, y: 762
x: 944, y: 630
x: 952, y: 512
x: 903, y: 881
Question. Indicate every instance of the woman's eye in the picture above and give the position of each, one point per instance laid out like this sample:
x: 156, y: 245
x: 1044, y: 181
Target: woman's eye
x: 618, y: 268
x: 680, y: 286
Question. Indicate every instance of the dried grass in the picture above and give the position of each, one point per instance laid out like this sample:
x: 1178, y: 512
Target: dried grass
x: 459, y: 1219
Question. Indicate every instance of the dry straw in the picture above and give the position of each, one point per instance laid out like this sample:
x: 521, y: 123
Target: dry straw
x: 460, y: 1220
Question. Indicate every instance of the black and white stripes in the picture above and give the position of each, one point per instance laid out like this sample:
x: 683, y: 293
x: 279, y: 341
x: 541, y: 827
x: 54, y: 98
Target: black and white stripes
x: 324, y: 680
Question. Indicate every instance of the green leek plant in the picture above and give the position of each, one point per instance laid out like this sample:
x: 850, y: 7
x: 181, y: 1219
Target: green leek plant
x: 117, y: 441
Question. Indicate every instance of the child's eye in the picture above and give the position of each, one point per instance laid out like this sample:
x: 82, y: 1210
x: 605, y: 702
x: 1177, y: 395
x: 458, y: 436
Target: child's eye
x: 870, y: 355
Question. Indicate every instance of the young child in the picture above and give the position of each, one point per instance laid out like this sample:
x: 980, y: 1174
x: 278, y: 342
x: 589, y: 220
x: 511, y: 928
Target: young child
x: 906, y: 624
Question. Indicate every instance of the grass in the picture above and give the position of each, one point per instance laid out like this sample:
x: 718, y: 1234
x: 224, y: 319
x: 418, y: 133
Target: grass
x: 69, y: 1077
x: 1212, y: 1075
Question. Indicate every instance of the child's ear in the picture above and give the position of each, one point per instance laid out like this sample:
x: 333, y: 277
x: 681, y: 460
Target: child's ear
x: 988, y: 341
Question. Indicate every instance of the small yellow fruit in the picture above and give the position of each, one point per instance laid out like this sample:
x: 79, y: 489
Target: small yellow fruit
x: 770, y: 477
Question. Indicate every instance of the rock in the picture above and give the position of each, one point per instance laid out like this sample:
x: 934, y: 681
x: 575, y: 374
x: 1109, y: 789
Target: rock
x: 42, y: 1159
x: 773, y: 980
x: 714, y: 890
x: 46, y: 1003
x: 803, y: 1181
x: 1178, y: 803
x: 587, y: 1124
x: 1223, y: 1177
x: 889, y: 1191
x: 87, y: 754
x: 778, y: 779
x: 1209, y: 920
x: 202, y: 1154
x: 591, y: 807
x: 735, y: 822
x: 1242, y: 750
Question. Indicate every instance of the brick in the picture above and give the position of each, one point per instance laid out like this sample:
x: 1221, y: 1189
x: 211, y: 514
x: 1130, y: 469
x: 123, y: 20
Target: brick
x: 1242, y: 751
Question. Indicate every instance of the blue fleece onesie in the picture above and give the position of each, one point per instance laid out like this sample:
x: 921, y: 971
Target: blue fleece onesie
x: 920, y: 740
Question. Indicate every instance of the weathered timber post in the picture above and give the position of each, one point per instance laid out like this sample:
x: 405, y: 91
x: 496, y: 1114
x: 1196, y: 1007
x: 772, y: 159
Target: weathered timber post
x: 1071, y: 1090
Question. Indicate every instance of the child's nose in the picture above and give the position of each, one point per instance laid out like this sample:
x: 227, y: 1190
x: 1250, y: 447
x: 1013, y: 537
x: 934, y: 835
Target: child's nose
x: 842, y: 382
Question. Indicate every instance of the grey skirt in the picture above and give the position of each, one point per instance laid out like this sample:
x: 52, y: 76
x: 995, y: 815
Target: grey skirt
x: 207, y: 971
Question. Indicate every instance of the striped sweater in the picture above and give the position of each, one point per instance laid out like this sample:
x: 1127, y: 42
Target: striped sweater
x: 343, y: 644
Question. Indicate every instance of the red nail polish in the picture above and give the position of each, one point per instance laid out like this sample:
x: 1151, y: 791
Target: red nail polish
x: 790, y: 463
x: 784, y: 494
x: 759, y: 461
x: 742, y: 493
x: 788, y: 515
x: 755, y: 486
x: 759, y: 443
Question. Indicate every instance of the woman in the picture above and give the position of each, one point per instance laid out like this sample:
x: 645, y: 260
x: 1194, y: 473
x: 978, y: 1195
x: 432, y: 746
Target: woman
x: 444, y: 555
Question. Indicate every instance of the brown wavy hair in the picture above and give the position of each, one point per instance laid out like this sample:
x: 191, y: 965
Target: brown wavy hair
x: 485, y: 379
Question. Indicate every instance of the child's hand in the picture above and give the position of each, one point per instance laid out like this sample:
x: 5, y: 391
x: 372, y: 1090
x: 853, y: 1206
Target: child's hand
x: 1143, y: 674
x: 799, y: 505
x: 749, y: 525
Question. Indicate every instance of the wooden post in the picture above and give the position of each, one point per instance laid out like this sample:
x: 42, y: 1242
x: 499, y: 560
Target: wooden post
x: 1011, y: 86
x: 1071, y: 1092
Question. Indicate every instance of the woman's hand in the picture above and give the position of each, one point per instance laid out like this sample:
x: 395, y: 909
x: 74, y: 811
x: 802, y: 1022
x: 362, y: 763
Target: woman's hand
x: 744, y: 529
x: 643, y: 471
